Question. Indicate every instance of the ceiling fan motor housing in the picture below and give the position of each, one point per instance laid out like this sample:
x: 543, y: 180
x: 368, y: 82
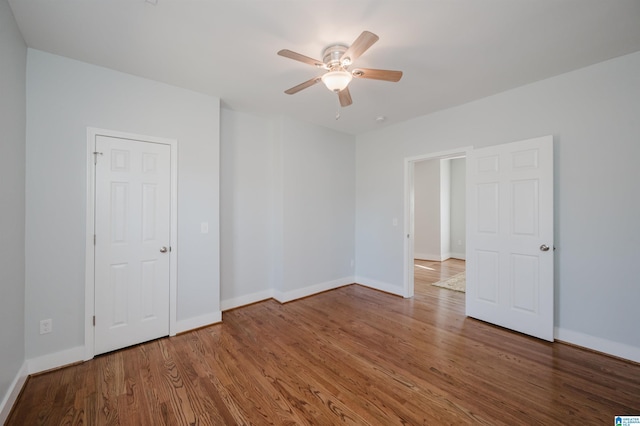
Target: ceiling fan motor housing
x: 332, y: 54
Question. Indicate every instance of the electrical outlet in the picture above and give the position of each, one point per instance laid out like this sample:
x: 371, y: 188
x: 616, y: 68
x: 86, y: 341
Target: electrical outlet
x: 46, y: 326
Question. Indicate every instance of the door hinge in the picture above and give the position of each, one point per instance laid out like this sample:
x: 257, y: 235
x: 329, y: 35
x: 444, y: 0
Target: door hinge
x: 94, y: 320
x: 94, y: 239
x: 95, y: 156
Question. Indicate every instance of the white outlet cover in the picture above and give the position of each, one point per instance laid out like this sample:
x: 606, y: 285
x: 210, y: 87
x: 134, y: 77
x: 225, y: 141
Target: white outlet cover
x: 204, y: 227
x: 46, y: 326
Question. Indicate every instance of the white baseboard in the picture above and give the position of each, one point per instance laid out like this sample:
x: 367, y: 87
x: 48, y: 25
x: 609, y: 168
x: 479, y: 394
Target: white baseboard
x: 197, y: 322
x: 288, y: 296
x: 77, y: 354
x: 13, y: 392
x: 428, y: 256
x: 619, y: 350
x: 284, y: 297
x: 379, y: 285
x: 248, y: 299
x: 55, y: 360
x: 439, y: 257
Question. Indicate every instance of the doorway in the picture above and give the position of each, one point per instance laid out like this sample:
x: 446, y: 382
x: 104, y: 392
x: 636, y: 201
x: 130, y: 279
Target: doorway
x: 509, y: 234
x: 440, y: 238
x: 130, y: 293
x: 440, y: 228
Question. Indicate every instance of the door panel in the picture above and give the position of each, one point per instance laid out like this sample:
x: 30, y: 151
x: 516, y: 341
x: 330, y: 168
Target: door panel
x: 510, y: 198
x: 132, y: 225
x: 488, y: 278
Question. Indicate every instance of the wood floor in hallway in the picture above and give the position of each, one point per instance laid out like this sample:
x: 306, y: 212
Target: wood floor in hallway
x: 347, y: 356
x: 427, y: 272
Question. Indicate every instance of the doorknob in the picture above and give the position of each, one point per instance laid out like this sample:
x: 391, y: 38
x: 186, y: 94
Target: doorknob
x: 544, y: 247
x: 164, y: 249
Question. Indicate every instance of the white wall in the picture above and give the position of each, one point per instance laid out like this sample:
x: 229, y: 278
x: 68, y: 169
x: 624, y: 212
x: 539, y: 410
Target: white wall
x: 13, y: 52
x: 426, y: 193
x: 63, y: 98
x: 458, y: 208
x: 593, y: 115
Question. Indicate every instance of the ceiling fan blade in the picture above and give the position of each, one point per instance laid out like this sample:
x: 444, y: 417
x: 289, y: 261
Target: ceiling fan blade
x: 299, y: 87
x: 386, y: 75
x: 298, y: 57
x: 345, y: 97
x: 362, y: 43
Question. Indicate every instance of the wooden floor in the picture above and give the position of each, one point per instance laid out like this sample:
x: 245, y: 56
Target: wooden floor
x: 347, y: 356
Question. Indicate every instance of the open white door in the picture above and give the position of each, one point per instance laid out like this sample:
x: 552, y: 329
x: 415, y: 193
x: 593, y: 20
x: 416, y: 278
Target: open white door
x: 132, y: 236
x: 510, y: 236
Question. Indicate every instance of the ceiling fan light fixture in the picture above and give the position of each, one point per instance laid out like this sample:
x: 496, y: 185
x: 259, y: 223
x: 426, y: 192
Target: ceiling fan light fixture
x: 336, y: 60
x: 336, y: 81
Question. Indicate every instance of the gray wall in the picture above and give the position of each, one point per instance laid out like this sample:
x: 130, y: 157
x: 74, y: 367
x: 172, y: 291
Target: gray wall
x: 247, y: 207
x: 439, y: 209
x: 288, y: 209
x: 445, y: 209
x: 593, y: 114
x: 63, y: 98
x: 13, y: 62
x: 318, y: 206
x: 427, y: 220
x: 458, y: 208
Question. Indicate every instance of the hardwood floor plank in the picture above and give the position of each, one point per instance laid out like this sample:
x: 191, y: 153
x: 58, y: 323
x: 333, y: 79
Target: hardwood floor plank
x: 296, y: 358
x: 367, y: 369
x: 245, y: 377
x: 296, y: 388
x: 347, y: 356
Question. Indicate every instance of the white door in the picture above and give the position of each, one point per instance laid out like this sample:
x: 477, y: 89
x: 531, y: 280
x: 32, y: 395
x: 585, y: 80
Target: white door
x: 132, y: 228
x: 510, y: 236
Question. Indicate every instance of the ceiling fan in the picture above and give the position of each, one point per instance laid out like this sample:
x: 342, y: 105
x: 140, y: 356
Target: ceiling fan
x: 337, y: 60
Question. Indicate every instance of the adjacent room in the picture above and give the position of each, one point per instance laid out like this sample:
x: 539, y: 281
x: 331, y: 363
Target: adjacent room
x: 235, y: 212
x: 439, y: 222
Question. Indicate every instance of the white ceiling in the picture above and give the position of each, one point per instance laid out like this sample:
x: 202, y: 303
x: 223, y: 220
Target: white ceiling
x: 451, y: 51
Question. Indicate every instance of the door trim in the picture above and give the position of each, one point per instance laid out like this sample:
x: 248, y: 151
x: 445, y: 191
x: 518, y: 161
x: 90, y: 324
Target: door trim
x: 89, y: 303
x: 409, y: 164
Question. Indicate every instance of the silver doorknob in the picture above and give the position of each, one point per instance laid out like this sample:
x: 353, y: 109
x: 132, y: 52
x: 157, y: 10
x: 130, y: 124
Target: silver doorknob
x: 164, y: 249
x: 544, y: 247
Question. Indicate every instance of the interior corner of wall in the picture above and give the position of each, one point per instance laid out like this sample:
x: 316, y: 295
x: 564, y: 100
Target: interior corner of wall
x: 13, y: 392
x: 55, y: 360
x: 197, y: 322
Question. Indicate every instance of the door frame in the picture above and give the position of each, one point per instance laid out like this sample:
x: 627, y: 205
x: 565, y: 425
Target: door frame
x: 89, y: 293
x: 409, y: 219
